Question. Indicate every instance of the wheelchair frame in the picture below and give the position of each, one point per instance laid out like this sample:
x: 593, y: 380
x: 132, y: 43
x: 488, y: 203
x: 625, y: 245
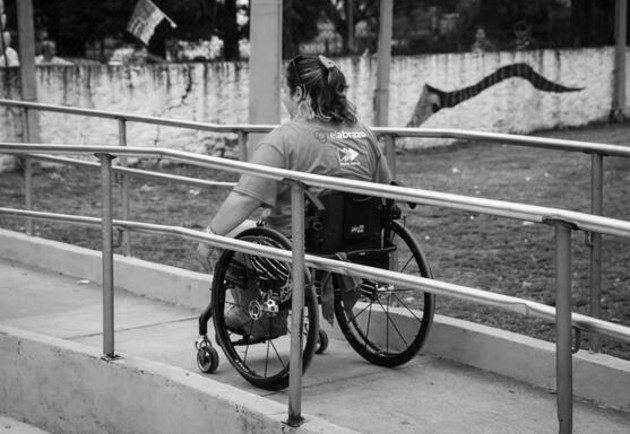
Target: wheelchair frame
x: 381, y: 322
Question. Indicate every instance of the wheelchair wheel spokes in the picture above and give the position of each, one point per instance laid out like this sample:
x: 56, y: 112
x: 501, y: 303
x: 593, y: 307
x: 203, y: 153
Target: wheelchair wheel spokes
x: 405, y: 264
x: 252, y: 323
x: 263, y: 359
x: 388, y: 325
x: 380, y: 334
x: 395, y: 297
x: 392, y: 327
x: 407, y: 304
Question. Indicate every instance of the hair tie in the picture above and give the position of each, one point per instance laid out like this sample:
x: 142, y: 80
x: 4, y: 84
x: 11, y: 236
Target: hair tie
x: 328, y: 64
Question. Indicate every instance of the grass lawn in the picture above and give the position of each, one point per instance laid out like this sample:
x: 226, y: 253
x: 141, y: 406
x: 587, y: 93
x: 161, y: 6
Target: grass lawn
x: 494, y: 254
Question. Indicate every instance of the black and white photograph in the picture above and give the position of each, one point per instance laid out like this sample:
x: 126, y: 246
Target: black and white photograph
x: 314, y: 216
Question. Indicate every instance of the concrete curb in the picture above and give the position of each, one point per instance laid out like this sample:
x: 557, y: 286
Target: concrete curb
x: 160, y: 282
x: 129, y: 394
x: 599, y: 378
x: 602, y: 379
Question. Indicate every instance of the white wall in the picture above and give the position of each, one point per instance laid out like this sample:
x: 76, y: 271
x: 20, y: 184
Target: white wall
x: 219, y: 93
x: 513, y: 105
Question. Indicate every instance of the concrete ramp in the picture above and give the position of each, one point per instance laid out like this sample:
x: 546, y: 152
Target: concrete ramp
x: 53, y: 375
x: 66, y: 387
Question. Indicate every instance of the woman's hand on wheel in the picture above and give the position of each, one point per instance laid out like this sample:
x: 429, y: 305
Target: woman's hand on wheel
x: 207, y: 256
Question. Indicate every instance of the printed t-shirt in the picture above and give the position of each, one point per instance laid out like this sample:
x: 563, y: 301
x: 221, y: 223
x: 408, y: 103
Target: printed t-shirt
x: 339, y: 150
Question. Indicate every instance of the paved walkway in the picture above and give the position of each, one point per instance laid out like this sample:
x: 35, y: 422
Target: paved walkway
x: 12, y: 426
x: 428, y: 395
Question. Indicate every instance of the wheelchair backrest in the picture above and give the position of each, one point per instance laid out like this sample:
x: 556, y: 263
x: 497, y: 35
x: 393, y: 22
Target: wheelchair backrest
x: 348, y: 222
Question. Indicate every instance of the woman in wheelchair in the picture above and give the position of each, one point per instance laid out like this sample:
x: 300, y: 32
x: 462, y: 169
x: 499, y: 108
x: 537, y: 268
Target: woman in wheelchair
x: 250, y: 303
x: 323, y: 136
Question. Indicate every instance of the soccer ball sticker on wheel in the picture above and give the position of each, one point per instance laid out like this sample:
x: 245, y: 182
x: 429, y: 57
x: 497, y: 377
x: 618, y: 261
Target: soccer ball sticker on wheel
x: 251, y: 299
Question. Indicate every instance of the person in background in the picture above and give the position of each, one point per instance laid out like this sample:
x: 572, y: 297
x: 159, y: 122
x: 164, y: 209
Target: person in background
x: 482, y: 43
x: 41, y: 35
x: 522, y: 37
x: 49, y: 55
x: 8, y: 57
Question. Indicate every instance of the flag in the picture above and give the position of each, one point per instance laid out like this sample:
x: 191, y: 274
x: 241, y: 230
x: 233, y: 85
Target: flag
x: 145, y: 18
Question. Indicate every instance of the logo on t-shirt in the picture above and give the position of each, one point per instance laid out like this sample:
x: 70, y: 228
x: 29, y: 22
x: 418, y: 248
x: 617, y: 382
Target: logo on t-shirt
x: 320, y: 136
x: 347, y: 157
x: 343, y: 134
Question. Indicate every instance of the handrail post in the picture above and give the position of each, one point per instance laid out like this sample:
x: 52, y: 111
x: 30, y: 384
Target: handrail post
x: 390, y: 153
x: 619, y: 70
x: 242, y: 145
x: 297, y: 305
x: 597, y: 208
x: 124, y: 186
x: 564, y: 366
x: 28, y: 174
x: 108, y: 256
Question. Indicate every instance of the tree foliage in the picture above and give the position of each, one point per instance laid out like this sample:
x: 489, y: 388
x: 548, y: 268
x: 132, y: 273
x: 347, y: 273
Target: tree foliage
x: 556, y: 23
x: 299, y: 23
x: 73, y: 23
x: 582, y: 23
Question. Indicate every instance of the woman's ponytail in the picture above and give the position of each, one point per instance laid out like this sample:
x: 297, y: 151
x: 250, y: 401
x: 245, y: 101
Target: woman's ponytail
x: 325, y: 87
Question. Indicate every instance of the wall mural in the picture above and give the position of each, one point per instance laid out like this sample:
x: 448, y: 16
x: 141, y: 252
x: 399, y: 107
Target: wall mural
x: 219, y: 93
x: 433, y: 100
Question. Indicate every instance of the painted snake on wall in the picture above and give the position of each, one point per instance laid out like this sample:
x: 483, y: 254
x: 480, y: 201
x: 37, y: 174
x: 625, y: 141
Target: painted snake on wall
x: 433, y: 100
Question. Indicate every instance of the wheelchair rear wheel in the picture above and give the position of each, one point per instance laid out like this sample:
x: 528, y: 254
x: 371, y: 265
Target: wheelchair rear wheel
x: 388, y: 324
x: 253, y: 290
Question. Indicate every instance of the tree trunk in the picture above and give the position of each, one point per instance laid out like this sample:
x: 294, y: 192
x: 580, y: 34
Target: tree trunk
x: 230, y: 32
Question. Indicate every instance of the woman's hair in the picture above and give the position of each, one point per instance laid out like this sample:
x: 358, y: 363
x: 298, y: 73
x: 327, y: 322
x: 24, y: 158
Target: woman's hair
x: 324, y: 85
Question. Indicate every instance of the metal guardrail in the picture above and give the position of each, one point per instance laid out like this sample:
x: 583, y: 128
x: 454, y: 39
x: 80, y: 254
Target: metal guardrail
x: 563, y: 221
x: 532, y: 213
x: 139, y: 173
x: 505, y: 302
x: 597, y: 150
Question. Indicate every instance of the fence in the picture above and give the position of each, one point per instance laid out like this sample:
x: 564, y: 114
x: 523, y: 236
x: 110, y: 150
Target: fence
x: 597, y: 150
x: 563, y: 221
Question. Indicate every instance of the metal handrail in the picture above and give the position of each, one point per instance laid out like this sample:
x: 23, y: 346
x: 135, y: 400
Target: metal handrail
x: 563, y: 221
x: 204, y: 126
x: 448, y: 133
x: 136, y: 172
x: 509, y: 139
x: 506, y: 302
x: 500, y: 208
x: 597, y: 151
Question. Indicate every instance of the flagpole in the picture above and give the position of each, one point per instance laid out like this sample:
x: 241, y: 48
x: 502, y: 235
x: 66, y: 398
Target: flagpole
x: 171, y: 22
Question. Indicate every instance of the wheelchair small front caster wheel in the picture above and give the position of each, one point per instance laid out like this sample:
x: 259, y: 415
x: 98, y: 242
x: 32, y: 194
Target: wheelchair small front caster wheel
x: 207, y: 359
x: 322, y: 342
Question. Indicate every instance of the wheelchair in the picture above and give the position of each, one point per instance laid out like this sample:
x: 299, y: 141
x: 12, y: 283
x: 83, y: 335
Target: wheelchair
x: 385, y: 324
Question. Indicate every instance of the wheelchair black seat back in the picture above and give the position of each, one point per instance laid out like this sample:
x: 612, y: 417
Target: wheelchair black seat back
x: 343, y: 222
